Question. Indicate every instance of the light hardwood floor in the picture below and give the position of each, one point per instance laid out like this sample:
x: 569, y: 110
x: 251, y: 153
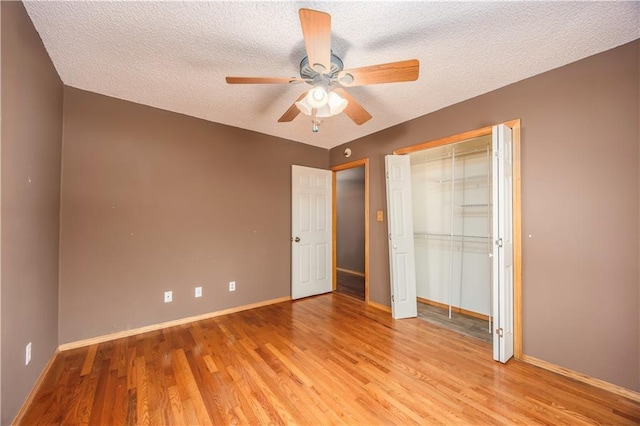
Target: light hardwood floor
x: 321, y: 360
x: 350, y: 284
x: 461, y: 323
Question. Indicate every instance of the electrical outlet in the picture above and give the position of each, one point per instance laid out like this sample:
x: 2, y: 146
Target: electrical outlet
x: 232, y: 286
x: 168, y: 296
x: 27, y: 354
x: 198, y: 291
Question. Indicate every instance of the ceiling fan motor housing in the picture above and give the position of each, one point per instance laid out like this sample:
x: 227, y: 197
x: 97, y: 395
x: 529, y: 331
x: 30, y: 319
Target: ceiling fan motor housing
x: 308, y: 73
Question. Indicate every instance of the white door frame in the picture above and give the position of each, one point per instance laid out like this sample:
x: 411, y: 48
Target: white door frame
x: 517, y: 213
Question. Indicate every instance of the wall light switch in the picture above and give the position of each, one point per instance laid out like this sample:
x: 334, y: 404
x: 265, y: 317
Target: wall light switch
x: 379, y: 216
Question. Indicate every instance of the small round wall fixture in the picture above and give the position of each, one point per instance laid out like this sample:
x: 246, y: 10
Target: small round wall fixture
x: 347, y: 152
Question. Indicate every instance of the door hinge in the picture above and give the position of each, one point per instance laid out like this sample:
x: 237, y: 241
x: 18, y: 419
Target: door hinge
x: 499, y: 332
x: 499, y: 242
x: 392, y: 298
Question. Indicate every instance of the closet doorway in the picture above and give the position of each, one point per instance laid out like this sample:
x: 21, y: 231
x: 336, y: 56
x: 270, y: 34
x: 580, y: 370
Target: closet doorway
x: 467, y: 229
x: 452, y: 219
x: 351, y: 229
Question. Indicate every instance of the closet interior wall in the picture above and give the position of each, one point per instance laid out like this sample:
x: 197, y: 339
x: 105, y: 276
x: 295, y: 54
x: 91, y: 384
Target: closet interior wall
x: 451, y: 189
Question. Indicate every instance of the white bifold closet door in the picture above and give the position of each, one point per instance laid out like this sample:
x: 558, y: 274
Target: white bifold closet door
x: 502, y: 279
x: 404, y: 303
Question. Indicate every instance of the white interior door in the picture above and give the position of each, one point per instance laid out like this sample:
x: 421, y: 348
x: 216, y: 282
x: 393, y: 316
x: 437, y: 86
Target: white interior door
x: 502, y: 277
x: 311, y: 231
x: 401, y: 250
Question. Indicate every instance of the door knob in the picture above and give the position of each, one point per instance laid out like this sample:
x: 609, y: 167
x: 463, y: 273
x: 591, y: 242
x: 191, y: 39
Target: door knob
x: 297, y: 239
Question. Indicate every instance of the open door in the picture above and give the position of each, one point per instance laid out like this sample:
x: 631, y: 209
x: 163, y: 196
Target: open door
x: 502, y: 276
x: 311, y: 231
x: 401, y: 251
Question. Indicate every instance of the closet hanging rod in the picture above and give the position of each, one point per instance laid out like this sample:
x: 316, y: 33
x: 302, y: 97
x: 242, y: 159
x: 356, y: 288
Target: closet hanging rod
x: 475, y: 205
x: 464, y: 180
x: 436, y: 235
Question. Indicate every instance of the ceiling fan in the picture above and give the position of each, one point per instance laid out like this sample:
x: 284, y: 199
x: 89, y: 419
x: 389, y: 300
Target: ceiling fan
x: 325, y: 72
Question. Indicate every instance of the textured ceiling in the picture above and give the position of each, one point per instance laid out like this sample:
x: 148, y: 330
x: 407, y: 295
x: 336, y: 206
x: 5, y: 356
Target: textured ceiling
x: 175, y: 55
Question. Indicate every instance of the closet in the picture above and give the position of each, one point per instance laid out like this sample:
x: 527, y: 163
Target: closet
x: 451, y: 188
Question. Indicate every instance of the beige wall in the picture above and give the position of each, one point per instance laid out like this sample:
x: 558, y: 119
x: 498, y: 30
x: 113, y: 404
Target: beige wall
x: 350, y: 213
x: 155, y: 201
x: 31, y: 145
x: 580, y: 186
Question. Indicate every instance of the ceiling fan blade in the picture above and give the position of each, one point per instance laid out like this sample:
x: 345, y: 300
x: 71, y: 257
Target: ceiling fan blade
x: 263, y: 80
x: 354, y: 110
x: 392, y: 72
x: 292, y: 112
x: 316, y: 29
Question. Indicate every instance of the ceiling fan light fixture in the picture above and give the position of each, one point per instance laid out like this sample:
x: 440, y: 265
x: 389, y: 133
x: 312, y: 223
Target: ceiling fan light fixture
x: 318, y: 96
x: 324, y: 112
x: 336, y: 103
x: 304, y: 106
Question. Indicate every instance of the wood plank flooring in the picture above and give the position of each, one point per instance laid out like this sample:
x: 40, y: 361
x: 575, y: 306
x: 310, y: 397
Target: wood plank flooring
x: 461, y: 323
x: 328, y: 359
x: 350, y: 284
